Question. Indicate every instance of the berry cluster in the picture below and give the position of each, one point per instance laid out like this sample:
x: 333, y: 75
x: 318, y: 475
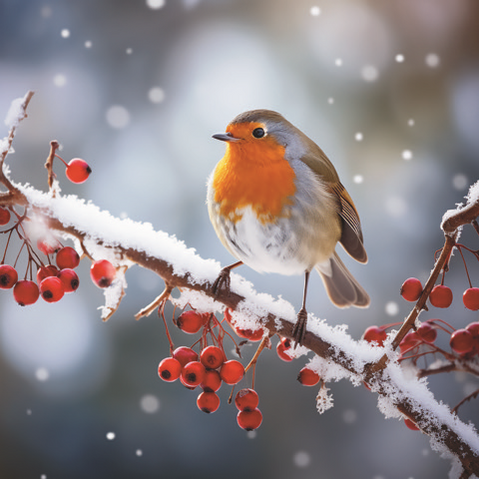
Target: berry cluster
x: 210, y: 368
x: 52, y: 281
x: 463, y: 341
x: 441, y: 296
x: 421, y: 341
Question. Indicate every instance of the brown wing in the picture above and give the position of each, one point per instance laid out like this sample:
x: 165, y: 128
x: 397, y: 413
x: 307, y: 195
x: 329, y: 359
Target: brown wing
x: 352, y: 237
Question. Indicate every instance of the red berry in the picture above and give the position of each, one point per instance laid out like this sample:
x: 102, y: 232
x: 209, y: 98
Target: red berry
x: 67, y: 257
x: 4, y: 216
x: 252, y: 335
x: 51, y: 289
x: 211, y: 381
x: 26, y: 292
x: 69, y: 279
x: 192, y: 374
x: 246, y: 399
x: 185, y: 355
x: 169, y: 369
x: 102, y: 273
x: 232, y: 372
x: 462, y: 341
x: 410, y: 424
x: 77, y: 170
x: 470, y: 298
x: 410, y: 340
x: 8, y: 276
x: 46, y: 271
x: 283, y: 345
x: 249, y: 419
x: 208, y: 402
x: 411, y: 289
x: 441, y: 296
x: 48, y: 246
x: 473, y: 329
x: 375, y: 334
x: 212, y: 357
x: 308, y: 377
x: 427, y: 333
x: 191, y: 321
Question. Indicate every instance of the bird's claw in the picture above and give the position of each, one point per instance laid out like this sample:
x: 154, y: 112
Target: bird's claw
x: 300, y: 327
x: 222, y: 281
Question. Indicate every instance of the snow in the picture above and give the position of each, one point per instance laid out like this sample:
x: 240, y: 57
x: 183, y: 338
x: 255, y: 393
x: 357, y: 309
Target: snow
x: 16, y: 112
x: 101, y: 227
x: 3, y: 145
x: 324, y: 400
x: 103, y: 233
x: 472, y: 195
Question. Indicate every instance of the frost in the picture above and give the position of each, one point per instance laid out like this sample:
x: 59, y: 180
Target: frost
x: 113, y: 296
x: 386, y: 406
x: 198, y: 301
x: 472, y: 196
x: 16, y: 112
x: 4, y: 146
x: 328, y: 370
x: 324, y: 399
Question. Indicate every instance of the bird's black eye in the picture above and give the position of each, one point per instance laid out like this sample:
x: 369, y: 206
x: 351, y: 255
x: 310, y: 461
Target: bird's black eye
x: 258, y: 132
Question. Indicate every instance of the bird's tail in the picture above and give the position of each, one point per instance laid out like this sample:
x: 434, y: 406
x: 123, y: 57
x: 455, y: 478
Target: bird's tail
x: 342, y: 288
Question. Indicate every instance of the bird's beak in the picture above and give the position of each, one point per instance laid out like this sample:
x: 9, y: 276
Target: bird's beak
x: 225, y: 137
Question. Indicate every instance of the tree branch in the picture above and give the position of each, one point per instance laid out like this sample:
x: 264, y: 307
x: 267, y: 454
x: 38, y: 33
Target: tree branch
x: 180, y: 267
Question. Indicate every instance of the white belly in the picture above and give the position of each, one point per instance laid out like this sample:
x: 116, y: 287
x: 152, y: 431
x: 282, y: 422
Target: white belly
x: 271, y: 247
x: 303, y: 237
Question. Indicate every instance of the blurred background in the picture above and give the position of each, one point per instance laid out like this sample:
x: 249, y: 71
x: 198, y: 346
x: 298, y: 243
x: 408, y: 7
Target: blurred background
x: 389, y: 90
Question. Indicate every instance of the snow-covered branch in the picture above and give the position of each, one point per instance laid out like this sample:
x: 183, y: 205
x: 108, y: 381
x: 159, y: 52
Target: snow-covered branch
x: 125, y: 243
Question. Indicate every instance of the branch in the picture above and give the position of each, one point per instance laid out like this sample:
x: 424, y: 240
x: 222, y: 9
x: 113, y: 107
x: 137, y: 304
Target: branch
x: 128, y: 243
x: 181, y: 268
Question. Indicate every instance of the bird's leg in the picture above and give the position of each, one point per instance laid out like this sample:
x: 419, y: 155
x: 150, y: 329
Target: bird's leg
x: 223, y: 279
x: 301, y: 324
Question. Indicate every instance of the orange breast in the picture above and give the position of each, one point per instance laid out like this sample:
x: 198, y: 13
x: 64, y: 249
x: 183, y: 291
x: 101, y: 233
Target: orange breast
x: 254, y: 173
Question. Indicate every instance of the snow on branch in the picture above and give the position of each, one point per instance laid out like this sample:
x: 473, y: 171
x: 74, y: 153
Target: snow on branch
x: 124, y: 242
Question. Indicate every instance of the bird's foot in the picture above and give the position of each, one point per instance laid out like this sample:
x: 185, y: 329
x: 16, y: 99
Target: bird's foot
x: 222, y: 281
x: 300, y: 327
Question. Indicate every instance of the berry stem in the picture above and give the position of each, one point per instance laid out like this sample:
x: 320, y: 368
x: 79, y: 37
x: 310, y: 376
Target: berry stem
x: 59, y: 157
x: 6, y: 247
x: 466, y: 399
x: 465, y: 265
x: 254, y: 359
x: 161, y: 310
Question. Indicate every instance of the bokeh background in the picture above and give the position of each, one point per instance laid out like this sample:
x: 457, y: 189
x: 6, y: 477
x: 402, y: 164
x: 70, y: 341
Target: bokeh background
x: 388, y: 89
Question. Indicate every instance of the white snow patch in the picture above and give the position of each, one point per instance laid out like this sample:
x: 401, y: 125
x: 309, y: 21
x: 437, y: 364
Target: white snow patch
x: 472, y: 195
x: 324, y: 399
x: 199, y: 301
x: 16, y: 112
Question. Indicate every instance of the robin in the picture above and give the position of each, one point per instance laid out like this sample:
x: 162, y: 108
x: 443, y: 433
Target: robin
x: 276, y: 203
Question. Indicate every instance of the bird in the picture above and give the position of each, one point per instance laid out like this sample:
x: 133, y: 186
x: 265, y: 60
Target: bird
x: 277, y: 205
